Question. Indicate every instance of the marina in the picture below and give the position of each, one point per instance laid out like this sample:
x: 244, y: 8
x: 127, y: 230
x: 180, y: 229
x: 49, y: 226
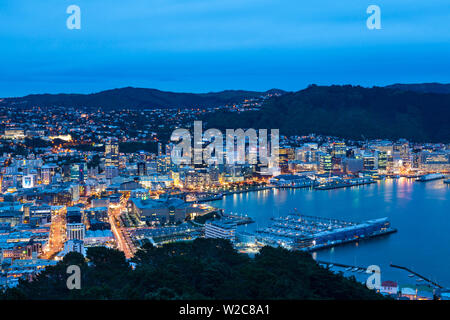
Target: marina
x: 310, y: 233
x: 400, y: 199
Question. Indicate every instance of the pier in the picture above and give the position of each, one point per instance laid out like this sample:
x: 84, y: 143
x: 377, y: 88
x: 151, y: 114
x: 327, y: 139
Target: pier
x: 337, y: 243
x: 417, y: 275
x: 309, y: 233
x: 341, y: 265
x: 240, y: 220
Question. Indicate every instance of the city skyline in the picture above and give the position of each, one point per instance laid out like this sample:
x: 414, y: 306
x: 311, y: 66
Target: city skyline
x: 224, y: 155
x: 85, y: 182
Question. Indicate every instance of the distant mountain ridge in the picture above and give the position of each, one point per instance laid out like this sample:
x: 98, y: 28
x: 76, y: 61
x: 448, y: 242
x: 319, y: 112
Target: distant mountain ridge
x: 432, y: 87
x: 130, y: 97
x: 419, y: 112
x: 350, y: 112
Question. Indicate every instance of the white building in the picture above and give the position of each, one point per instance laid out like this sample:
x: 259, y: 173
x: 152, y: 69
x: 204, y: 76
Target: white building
x: 75, y: 231
x: 29, y: 181
x: 389, y: 288
x: 223, y: 229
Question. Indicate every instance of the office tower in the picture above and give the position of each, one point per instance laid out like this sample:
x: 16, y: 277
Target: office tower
x: 163, y: 164
x: 339, y: 149
x: 112, y: 153
x: 381, y: 160
x: 47, y: 172
x: 369, y: 161
x: 324, y: 161
x: 141, y: 168
x: 78, y: 172
x: 75, y: 231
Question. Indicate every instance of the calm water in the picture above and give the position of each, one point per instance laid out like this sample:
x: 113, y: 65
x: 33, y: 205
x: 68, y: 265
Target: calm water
x: 420, y: 212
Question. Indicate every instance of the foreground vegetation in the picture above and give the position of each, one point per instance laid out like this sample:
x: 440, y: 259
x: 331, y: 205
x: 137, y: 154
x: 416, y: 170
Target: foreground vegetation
x: 202, y: 269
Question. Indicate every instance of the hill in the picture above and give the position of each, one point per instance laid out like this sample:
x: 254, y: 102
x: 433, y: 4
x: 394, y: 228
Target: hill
x: 422, y: 87
x: 136, y: 98
x: 203, y: 269
x: 350, y: 112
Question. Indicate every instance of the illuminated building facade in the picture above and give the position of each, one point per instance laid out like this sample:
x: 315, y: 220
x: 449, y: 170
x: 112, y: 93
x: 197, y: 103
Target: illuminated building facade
x: 339, y: 149
x: 112, y: 153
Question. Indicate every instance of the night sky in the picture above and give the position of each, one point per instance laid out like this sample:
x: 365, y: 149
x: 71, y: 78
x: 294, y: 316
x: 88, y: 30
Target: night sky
x: 211, y: 45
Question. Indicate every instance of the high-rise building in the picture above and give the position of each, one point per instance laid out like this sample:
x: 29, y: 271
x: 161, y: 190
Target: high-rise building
x: 78, y: 172
x: 141, y: 168
x: 163, y: 164
x: 75, y: 231
x: 112, y: 153
x: 325, y: 163
x: 403, y: 150
x: 339, y: 149
x: 369, y: 161
x: 381, y: 157
x: 160, y: 153
x: 111, y: 172
x: 286, y: 154
x: 47, y: 172
x: 169, y: 148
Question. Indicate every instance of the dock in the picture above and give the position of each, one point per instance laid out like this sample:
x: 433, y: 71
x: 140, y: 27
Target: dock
x: 309, y: 233
x: 341, y: 265
x: 238, y: 219
x: 330, y: 245
x: 417, y: 275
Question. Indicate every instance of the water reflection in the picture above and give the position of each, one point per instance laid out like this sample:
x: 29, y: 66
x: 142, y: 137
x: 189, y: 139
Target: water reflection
x: 420, y: 211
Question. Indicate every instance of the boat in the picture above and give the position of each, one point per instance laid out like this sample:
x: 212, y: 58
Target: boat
x: 430, y: 177
x: 348, y: 269
x: 354, y: 269
x: 447, y: 181
x: 330, y: 265
x: 410, y: 275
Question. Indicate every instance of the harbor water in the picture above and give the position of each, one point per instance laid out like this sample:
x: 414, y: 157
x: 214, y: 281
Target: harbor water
x: 420, y: 212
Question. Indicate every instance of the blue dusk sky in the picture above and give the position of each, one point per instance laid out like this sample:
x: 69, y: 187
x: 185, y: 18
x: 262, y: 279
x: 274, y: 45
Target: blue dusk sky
x: 212, y: 45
